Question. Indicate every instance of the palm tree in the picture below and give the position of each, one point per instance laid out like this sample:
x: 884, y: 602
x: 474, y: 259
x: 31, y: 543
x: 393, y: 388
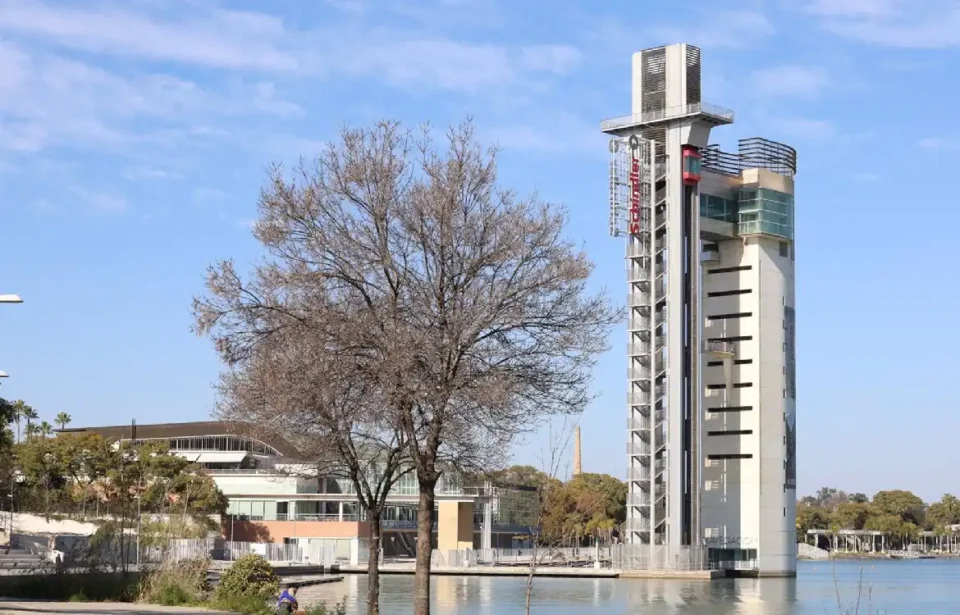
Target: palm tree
x: 29, y: 415
x: 20, y: 408
x: 45, y: 429
x: 63, y: 419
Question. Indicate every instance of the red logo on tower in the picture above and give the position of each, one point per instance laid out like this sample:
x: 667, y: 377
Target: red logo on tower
x: 634, y: 185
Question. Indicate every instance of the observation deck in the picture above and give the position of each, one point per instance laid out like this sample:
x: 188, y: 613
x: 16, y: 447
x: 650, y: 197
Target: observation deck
x: 628, y: 124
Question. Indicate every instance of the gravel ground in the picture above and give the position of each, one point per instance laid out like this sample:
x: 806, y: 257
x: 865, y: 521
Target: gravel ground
x: 39, y: 607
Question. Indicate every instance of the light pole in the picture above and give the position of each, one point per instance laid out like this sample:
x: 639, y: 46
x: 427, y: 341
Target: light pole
x: 137, y: 497
x: 4, y: 374
x: 10, y: 298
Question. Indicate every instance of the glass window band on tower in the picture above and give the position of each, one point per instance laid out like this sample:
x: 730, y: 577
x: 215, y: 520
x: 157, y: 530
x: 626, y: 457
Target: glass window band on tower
x: 766, y: 211
x: 719, y: 208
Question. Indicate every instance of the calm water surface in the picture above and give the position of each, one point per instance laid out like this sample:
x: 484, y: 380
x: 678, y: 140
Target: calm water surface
x: 909, y: 587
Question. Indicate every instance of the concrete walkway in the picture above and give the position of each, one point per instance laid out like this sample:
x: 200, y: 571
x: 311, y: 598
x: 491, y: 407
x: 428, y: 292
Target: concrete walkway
x: 39, y: 607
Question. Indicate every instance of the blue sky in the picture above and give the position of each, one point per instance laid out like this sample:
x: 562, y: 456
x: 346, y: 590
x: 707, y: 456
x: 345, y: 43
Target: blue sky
x: 134, y: 137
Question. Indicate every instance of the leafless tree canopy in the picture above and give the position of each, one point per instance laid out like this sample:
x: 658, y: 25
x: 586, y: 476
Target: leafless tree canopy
x: 450, y: 307
x: 408, y: 297
x: 407, y: 305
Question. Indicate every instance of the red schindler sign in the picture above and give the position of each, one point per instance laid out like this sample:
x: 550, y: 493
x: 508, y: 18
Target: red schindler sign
x: 634, y: 185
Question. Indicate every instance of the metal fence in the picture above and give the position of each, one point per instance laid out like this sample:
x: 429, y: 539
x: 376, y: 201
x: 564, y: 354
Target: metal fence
x: 326, y: 552
x: 541, y: 556
x: 333, y: 551
x: 658, y: 557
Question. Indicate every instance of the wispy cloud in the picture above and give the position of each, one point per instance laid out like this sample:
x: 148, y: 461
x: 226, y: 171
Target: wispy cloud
x: 721, y: 29
x: 208, y: 197
x: 219, y: 39
x: 47, y: 100
x: 918, y: 24
x: 803, y: 128
x: 51, y: 97
x: 101, y: 202
x: 865, y: 177
x: 791, y: 80
x: 939, y: 143
x: 139, y: 173
x: 854, y: 8
x: 561, y: 133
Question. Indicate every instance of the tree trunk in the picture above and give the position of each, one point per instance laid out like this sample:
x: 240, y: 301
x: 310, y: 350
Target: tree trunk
x: 373, y: 565
x: 421, y: 601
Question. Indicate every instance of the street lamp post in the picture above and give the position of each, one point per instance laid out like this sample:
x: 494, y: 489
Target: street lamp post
x: 10, y: 298
x: 138, y: 531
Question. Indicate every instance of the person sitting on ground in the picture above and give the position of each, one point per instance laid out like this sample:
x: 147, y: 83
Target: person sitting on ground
x: 287, y: 603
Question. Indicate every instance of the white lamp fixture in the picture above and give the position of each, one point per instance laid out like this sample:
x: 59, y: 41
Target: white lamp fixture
x: 4, y: 374
x: 10, y: 298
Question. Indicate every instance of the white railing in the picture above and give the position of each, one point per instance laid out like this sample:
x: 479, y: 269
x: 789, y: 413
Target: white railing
x: 270, y: 551
x: 178, y: 549
x: 323, y: 551
x: 625, y: 121
x: 541, y: 556
x: 638, y: 448
x: 658, y: 557
x: 326, y: 517
x: 637, y: 523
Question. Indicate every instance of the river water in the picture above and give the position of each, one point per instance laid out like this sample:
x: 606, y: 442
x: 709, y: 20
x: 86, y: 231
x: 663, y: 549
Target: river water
x: 891, y: 587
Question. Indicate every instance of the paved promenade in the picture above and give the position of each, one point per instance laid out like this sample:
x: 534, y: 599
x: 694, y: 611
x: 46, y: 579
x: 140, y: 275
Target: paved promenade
x: 39, y: 607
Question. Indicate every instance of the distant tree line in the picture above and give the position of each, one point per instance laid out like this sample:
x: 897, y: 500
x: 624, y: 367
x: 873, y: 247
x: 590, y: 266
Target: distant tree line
x: 84, y: 475
x: 899, y: 514
x: 574, y: 512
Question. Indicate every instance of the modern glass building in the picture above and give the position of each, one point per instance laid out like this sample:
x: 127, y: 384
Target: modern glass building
x: 711, y: 327
x: 274, y: 495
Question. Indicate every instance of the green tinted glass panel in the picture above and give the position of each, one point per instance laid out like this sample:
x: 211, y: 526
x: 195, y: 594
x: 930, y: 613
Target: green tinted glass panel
x: 765, y: 211
x: 718, y: 208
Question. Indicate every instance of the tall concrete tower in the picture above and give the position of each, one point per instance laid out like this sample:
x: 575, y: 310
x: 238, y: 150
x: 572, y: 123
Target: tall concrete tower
x: 703, y: 424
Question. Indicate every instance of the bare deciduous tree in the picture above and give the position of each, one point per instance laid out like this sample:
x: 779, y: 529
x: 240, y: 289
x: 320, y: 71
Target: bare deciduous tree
x: 288, y: 385
x: 460, y: 309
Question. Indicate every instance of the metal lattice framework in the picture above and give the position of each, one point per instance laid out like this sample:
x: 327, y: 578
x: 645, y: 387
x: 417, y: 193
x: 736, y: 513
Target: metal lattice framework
x: 636, y: 171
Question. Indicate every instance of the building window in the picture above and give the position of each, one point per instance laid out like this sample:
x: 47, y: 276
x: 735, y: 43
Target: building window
x: 730, y: 316
x: 730, y: 293
x: 784, y: 249
x: 729, y: 269
x: 737, y: 338
x: 767, y: 212
x: 735, y: 362
x: 732, y: 432
x: 730, y: 409
x: 731, y: 456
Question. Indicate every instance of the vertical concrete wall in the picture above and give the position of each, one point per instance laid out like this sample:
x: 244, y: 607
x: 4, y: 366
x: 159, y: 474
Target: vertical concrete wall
x: 750, y: 502
x: 454, y: 525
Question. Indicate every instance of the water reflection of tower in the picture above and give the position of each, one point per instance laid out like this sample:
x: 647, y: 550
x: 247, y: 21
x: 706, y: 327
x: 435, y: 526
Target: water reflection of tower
x: 766, y: 596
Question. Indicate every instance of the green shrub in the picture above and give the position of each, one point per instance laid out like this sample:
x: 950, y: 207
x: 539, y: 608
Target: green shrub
x: 176, y: 583
x: 323, y: 609
x: 249, y: 578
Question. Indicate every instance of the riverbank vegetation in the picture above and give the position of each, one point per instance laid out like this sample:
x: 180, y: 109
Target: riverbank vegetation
x: 85, y: 476
x: 250, y: 586
x: 900, y: 515
x: 576, y: 512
